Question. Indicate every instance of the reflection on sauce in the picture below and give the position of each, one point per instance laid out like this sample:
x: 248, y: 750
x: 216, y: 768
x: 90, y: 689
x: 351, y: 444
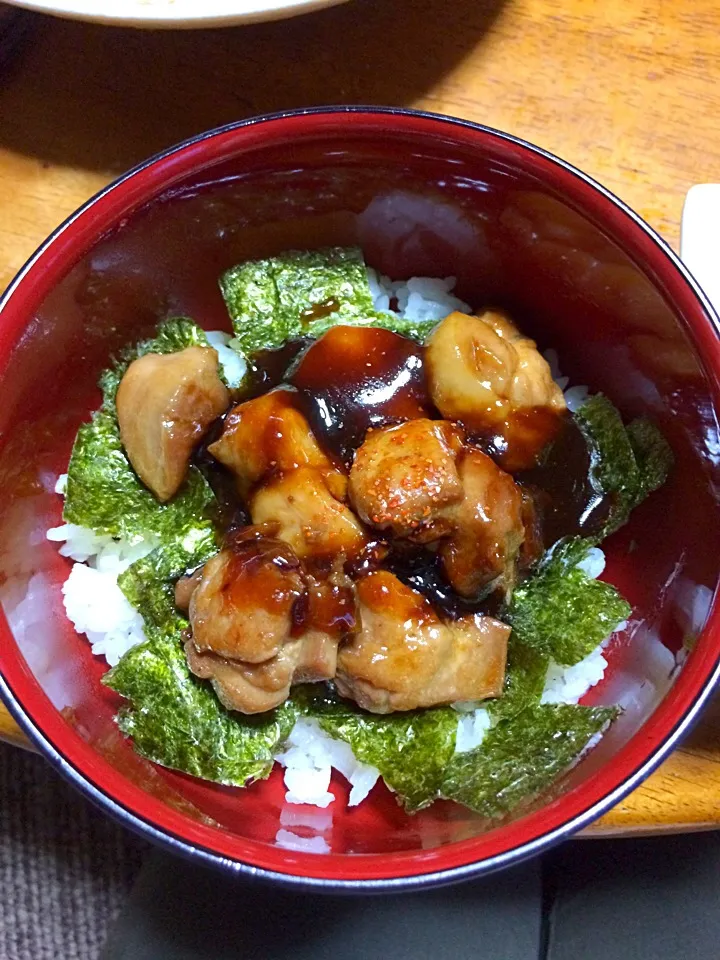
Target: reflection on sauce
x: 267, y: 368
x: 354, y: 378
x: 515, y: 442
x: 326, y: 604
x: 420, y: 568
x: 370, y: 558
x: 331, y: 607
x: 566, y: 501
x: 268, y: 436
x: 257, y: 574
x: 381, y: 593
x: 242, y: 606
x: 262, y: 568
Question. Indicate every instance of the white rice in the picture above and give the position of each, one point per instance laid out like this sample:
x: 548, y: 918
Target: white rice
x: 471, y: 728
x: 94, y: 602
x: 309, y: 758
x: 418, y: 299
x: 230, y: 357
x: 570, y: 684
x: 574, y: 396
x: 97, y: 607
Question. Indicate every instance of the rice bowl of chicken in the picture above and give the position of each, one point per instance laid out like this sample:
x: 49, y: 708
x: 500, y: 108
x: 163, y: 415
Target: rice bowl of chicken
x: 351, y: 536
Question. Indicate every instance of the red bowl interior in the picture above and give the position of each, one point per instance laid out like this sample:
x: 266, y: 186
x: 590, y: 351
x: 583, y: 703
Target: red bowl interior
x: 422, y: 195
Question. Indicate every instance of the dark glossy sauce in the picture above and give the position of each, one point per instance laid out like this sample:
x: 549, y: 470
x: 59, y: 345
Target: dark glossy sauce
x: 564, y: 497
x: 355, y: 378
x: 519, y: 442
x: 332, y: 607
x: 267, y: 368
x: 325, y: 607
x: 263, y: 569
x: 420, y: 568
x: 230, y: 513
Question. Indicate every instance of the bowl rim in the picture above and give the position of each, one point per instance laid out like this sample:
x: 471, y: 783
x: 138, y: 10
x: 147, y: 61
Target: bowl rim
x: 424, y: 875
x: 184, y: 15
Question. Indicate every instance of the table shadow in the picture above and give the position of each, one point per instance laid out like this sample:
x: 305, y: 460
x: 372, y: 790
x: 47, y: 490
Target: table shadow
x: 104, y: 98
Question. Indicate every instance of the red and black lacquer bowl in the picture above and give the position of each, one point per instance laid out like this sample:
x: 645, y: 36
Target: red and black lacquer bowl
x: 422, y: 195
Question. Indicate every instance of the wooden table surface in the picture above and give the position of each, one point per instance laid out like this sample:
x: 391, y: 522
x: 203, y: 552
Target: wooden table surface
x: 628, y: 90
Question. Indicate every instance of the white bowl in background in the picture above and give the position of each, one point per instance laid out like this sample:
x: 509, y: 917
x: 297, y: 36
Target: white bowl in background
x: 175, y: 14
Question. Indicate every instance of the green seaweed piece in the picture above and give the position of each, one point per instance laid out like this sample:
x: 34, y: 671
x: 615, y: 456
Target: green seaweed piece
x: 626, y: 463
x: 411, y: 750
x: 414, y: 329
x: 149, y: 583
x: 652, y: 454
x: 562, y: 613
x: 174, y: 718
x: 522, y: 756
x: 614, y: 471
x: 275, y: 300
x: 524, y: 680
x: 177, y: 721
x: 303, y: 293
x: 103, y: 491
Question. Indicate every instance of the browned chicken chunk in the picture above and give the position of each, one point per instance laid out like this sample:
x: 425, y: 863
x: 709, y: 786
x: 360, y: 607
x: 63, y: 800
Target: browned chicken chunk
x: 307, y: 515
x: 243, y: 606
x: 260, y: 626
x: 256, y: 687
x: 267, y: 436
x: 185, y: 588
x: 405, y: 657
x: 485, y: 374
x: 331, y: 605
x: 488, y: 528
x: 404, y: 476
x: 165, y: 403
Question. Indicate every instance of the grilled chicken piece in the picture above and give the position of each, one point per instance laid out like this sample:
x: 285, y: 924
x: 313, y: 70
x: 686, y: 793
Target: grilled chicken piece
x: 484, y: 373
x: 405, y: 657
x: 256, y: 687
x: 268, y: 436
x: 307, y: 515
x: 185, y: 587
x: 404, y: 476
x: 243, y: 606
x: 488, y: 528
x: 331, y: 605
x: 259, y: 626
x: 165, y: 403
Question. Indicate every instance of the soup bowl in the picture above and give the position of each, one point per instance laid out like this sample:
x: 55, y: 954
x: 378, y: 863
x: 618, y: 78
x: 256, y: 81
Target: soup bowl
x: 422, y: 195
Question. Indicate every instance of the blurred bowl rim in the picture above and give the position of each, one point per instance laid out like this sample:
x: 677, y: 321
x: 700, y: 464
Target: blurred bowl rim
x: 175, y: 14
x: 697, y: 680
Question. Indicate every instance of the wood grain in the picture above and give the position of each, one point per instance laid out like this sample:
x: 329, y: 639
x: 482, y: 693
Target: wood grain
x: 627, y: 90
x: 11, y: 732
